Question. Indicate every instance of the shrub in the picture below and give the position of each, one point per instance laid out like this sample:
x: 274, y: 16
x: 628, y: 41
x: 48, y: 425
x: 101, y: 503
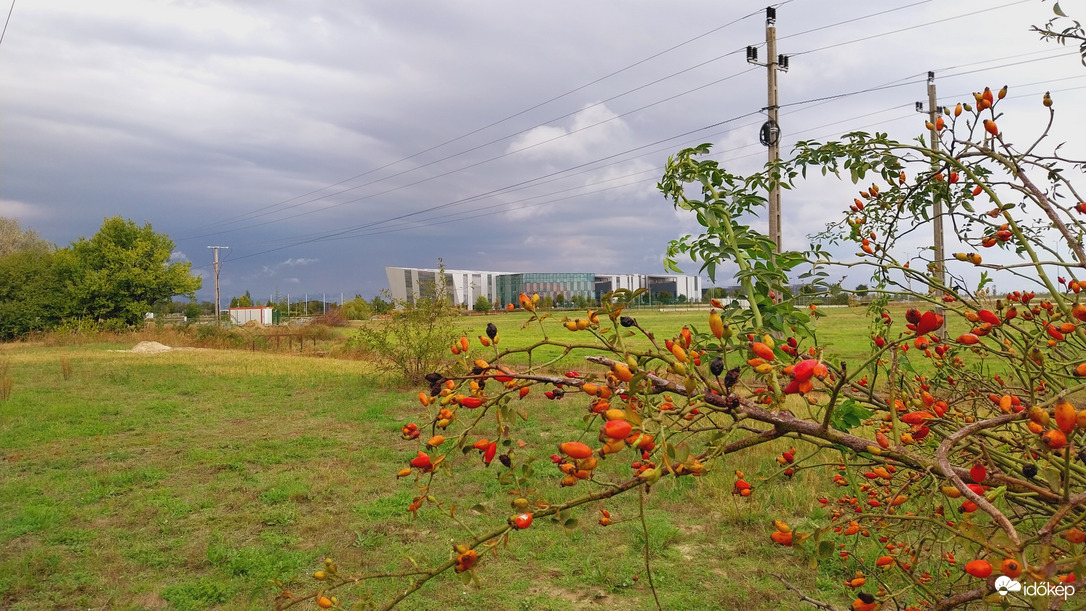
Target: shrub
x: 334, y: 317
x: 413, y: 342
x: 957, y: 455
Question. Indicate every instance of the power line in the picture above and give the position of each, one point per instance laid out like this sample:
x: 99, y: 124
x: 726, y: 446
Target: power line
x: 484, y: 161
x: 351, y: 231
x: 472, y: 149
x: 893, y: 84
x: 344, y: 234
x: 7, y: 21
x: 1025, y: 61
x: 838, y: 96
x: 912, y: 27
x: 492, y: 192
x: 370, y: 196
x: 504, y: 206
x: 270, y: 210
x: 417, y: 224
x: 853, y: 20
x: 520, y: 113
x: 848, y: 94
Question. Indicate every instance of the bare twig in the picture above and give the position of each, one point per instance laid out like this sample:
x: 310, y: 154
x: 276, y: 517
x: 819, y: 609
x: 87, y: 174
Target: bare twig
x: 942, y: 458
x: 645, y: 531
x: 961, y: 598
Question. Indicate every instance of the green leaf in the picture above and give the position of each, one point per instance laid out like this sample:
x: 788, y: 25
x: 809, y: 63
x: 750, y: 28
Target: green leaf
x: 849, y: 415
x: 825, y: 548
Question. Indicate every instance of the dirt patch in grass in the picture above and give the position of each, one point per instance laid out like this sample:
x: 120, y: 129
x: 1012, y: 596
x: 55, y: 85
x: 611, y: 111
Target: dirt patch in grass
x: 579, y: 600
x: 150, y: 348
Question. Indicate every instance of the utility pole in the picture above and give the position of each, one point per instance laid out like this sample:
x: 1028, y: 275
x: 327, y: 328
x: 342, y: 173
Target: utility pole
x: 218, y: 320
x: 939, y: 256
x: 771, y: 132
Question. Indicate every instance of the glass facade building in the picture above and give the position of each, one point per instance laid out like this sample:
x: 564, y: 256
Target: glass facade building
x: 464, y: 287
x: 510, y: 286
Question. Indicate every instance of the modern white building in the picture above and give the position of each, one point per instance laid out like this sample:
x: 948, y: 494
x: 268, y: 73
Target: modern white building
x: 264, y: 316
x: 464, y: 286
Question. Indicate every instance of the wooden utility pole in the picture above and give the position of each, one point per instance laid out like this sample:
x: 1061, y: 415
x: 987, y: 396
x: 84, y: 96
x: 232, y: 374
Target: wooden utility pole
x: 775, y: 141
x: 218, y: 319
x: 939, y: 255
x: 771, y: 132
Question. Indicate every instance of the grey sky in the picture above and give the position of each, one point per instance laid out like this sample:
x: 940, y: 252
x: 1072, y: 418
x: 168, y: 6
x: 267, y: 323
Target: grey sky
x: 229, y: 122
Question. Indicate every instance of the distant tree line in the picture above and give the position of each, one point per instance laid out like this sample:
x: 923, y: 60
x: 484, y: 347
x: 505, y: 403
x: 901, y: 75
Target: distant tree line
x: 110, y: 280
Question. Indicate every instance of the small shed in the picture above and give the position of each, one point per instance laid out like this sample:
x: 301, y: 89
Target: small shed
x: 264, y: 316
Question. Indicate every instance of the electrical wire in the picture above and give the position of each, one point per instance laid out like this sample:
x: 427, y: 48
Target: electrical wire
x: 655, y: 169
x: 487, y: 160
x: 504, y: 207
x: 351, y: 232
x: 838, y: 96
x: 324, y: 236
x: 7, y: 21
x: 272, y: 210
x: 495, y: 191
x: 853, y: 20
x: 815, y: 100
x: 799, y: 103
x: 519, y: 113
x: 269, y: 211
x: 416, y: 224
x: 906, y: 29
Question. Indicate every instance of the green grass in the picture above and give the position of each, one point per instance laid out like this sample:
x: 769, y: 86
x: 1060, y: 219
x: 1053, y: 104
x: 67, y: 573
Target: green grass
x: 838, y: 325
x: 188, y: 480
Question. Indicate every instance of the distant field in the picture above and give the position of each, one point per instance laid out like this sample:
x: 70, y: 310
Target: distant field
x: 188, y: 479
x: 842, y: 328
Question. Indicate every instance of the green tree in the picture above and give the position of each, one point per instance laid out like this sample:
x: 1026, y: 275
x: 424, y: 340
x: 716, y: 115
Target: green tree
x: 357, y: 309
x: 380, y: 306
x: 31, y: 296
x: 118, y: 273
x: 192, y: 310
x: 482, y: 304
x: 14, y: 239
x: 245, y: 301
x: 716, y: 292
x: 559, y: 300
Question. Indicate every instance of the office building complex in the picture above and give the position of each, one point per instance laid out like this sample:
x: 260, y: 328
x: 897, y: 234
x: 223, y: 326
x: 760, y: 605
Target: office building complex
x: 463, y: 286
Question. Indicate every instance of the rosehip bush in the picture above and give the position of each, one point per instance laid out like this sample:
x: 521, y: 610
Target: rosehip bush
x: 960, y: 453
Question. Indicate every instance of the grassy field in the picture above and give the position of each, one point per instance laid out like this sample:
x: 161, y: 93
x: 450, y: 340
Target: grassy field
x: 189, y: 479
x: 838, y: 326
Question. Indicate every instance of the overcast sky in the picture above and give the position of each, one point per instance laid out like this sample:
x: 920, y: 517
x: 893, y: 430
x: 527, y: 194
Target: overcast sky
x: 324, y: 140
